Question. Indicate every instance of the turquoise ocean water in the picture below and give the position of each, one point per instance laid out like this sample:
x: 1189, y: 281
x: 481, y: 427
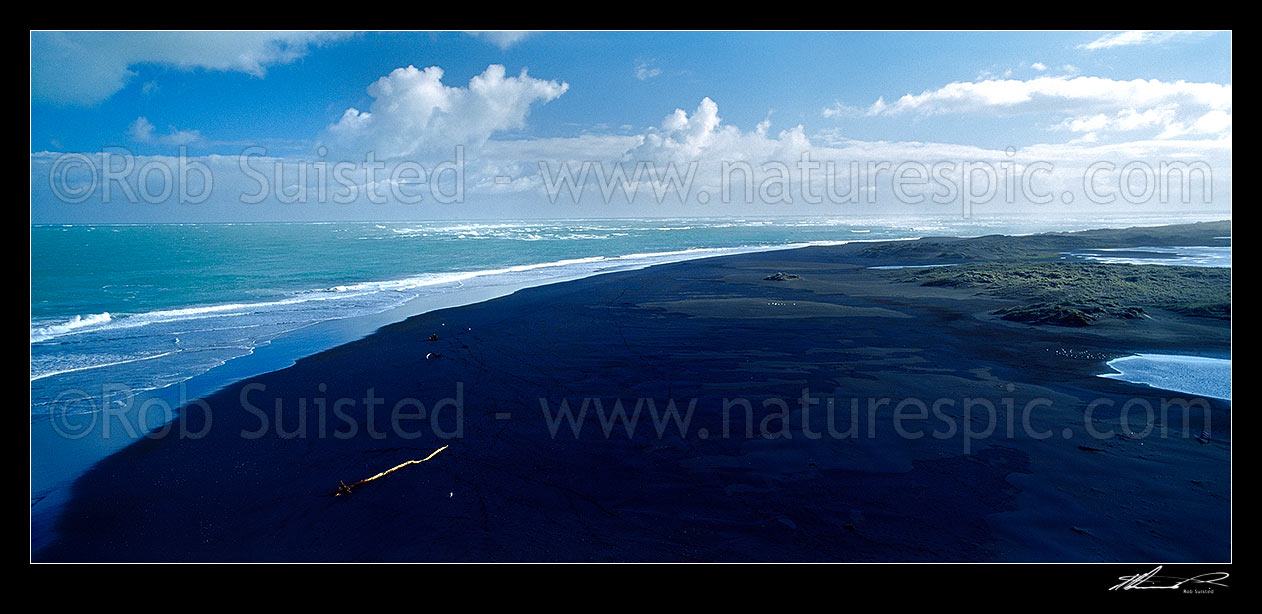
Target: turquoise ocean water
x: 142, y: 307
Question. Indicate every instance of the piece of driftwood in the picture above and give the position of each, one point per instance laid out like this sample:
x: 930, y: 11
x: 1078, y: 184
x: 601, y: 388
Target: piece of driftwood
x: 346, y: 489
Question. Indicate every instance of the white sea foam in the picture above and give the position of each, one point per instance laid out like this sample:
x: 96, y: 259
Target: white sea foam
x: 103, y: 361
x: 374, y: 295
x: 50, y: 331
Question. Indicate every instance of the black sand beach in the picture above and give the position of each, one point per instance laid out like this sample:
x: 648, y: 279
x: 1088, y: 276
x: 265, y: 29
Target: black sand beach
x: 919, y: 479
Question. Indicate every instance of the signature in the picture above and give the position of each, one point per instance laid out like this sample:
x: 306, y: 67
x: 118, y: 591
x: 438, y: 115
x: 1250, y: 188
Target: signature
x: 1152, y: 580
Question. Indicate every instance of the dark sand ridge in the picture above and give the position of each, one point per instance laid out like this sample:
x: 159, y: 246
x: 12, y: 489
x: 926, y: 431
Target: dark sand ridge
x: 508, y: 490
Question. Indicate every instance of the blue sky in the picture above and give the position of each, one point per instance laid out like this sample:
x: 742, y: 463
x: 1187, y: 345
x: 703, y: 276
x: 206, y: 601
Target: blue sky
x: 216, y: 93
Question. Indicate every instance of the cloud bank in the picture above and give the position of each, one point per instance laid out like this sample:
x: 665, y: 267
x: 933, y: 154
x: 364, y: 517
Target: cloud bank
x: 86, y: 68
x: 1087, y: 104
x: 1141, y: 37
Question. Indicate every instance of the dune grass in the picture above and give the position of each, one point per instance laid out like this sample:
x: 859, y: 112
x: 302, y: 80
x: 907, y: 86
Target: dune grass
x: 1080, y: 293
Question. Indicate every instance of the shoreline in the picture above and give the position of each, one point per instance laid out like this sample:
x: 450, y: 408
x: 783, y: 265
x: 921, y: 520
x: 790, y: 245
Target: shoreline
x: 285, y: 350
x: 812, y: 262
x: 1206, y: 364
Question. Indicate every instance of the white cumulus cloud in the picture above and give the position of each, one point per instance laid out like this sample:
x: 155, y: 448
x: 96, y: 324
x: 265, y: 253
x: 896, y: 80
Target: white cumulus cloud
x: 413, y: 111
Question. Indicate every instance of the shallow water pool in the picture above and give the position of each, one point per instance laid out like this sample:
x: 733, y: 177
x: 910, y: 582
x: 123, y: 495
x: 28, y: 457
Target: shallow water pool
x: 1208, y: 377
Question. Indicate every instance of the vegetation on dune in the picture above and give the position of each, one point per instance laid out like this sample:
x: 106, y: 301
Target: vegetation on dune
x: 1080, y: 293
x: 1044, y: 246
x: 1080, y: 313
x: 953, y: 250
x: 1052, y: 290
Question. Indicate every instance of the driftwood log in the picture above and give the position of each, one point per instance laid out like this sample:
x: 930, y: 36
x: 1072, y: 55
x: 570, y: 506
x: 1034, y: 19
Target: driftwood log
x: 346, y: 489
